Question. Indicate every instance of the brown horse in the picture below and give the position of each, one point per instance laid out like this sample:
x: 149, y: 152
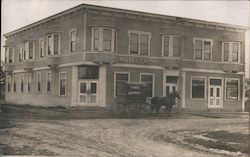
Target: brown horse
x: 167, y: 101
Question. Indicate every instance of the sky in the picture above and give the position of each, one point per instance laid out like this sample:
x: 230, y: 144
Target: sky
x: 19, y: 13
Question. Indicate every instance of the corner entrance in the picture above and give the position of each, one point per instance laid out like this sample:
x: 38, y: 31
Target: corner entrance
x: 215, y: 97
x: 88, y: 92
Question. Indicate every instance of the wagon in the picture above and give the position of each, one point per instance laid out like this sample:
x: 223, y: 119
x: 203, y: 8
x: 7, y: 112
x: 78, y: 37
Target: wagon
x: 134, y: 98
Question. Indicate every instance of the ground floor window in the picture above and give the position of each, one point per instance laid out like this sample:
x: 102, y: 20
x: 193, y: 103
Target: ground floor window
x: 48, y: 84
x: 14, y: 83
x: 38, y: 82
x: 8, y: 83
x: 120, y: 83
x: 22, y: 83
x: 62, y: 84
x: 148, y: 79
x: 198, y: 87
x: 29, y: 82
x: 232, y: 89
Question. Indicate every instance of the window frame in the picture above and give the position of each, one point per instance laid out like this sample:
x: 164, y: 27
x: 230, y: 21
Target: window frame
x: 153, y: 81
x: 230, y: 55
x: 29, y: 83
x: 139, y: 33
x: 60, y: 73
x: 26, y: 54
x: 205, y: 88
x: 22, y: 81
x: 8, y: 83
x: 47, y: 82
x: 101, y: 39
x: 171, y: 45
x: 202, y: 50
x: 53, y: 44
x: 70, y: 39
x: 7, y: 55
x: 20, y: 54
x: 238, y: 96
x: 43, y: 48
x: 118, y: 72
x: 39, y: 74
x: 14, y: 83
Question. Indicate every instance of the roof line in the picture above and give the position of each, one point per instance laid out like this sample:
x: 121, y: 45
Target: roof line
x: 90, y: 6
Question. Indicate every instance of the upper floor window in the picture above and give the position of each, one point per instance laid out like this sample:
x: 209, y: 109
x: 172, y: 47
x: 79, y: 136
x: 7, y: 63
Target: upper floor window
x: 171, y: 45
x: 20, y: 52
x: 72, y: 44
x: 103, y: 39
x: 41, y: 47
x: 139, y: 43
x: 202, y: 49
x: 9, y: 55
x: 53, y: 46
x: 231, y: 51
x: 29, y: 50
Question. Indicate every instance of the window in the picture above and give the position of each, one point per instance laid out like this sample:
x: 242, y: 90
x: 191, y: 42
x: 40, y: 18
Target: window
x: 9, y: 55
x: 171, y: 45
x: 120, y: 83
x: 88, y: 72
x: 171, y: 84
x: 48, y: 80
x: 72, y: 44
x: 39, y: 82
x: 232, y: 89
x: 53, y: 44
x: 103, y: 39
x: 14, y: 83
x: 203, y: 49
x: 139, y: 43
x: 148, y: 79
x: 62, y: 84
x: 22, y: 83
x: 198, y: 87
x: 29, y: 83
x: 29, y: 50
x: 231, y: 51
x: 8, y: 83
x: 41, y: 48
x: 20, y: 53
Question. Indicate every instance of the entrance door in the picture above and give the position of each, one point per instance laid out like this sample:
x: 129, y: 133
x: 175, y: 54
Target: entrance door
x: 170, y: 88
x: 215, y: 93
x: 88, y: 93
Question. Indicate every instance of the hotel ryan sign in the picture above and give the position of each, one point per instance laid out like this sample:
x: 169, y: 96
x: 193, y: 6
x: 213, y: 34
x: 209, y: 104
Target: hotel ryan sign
x: 137, y: 60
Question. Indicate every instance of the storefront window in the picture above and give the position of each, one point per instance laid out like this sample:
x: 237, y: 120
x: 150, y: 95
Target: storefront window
x: 198, y: 87
x: 148, y: 79
x: 121, y: 86
x: 62, y: 87
x: 232, y: 86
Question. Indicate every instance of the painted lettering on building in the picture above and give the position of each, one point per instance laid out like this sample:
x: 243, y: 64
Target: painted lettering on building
x: 137, y: 60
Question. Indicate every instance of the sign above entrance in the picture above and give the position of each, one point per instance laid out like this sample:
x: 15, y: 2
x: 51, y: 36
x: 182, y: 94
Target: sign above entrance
x: 137, y: 60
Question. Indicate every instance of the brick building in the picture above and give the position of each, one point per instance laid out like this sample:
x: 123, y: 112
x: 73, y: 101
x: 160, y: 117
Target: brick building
x: 83, y: 55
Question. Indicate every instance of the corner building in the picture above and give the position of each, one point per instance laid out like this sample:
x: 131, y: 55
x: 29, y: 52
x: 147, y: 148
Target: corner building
x: 81, y: 57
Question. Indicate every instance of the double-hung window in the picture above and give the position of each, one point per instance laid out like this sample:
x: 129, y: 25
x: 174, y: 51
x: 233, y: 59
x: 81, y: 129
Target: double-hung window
x: 8, y: 83
x: 41, y: 47
x: 28, y: 82
x: 9, y: 55
x: 171, y: 45
x: 231, y: 51
x: 29, y: 50
x: 232, y: 89
x: 149, y: 80
x: 14, y: 83
x: 202, y: 49
x: 120, y: 83
x: 48, y: 82
x: 139, y: 43
x: 39, y: 82
x: 53, y: 44
x: 103, y: 39
x: 198, y: 87
x: 62, y: 84
x: 72, y: 36
x: 20, y: 53
x: 22, y: 83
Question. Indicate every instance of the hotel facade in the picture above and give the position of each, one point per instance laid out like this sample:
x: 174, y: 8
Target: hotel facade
x: 83, y: 56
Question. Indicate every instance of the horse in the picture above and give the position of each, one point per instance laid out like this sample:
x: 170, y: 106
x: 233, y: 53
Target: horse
x: 167, y: 101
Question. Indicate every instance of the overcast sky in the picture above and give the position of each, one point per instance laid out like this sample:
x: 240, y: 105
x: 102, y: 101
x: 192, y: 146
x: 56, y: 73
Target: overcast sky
x: 18, y: 13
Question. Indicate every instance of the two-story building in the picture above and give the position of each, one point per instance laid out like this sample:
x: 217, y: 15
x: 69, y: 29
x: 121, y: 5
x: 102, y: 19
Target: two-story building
x: 83, y: 55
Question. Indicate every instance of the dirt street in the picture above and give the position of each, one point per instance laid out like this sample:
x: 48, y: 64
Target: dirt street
x: 151, y: 137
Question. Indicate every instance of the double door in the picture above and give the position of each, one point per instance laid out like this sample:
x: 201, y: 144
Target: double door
x: 215, y: 98
x: 88, y: 92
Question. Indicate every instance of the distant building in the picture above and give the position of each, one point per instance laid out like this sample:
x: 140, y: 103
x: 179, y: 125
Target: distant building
x: 83, y: 55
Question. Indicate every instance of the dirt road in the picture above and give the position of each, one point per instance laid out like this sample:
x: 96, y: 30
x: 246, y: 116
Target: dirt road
x: 115, y: 137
